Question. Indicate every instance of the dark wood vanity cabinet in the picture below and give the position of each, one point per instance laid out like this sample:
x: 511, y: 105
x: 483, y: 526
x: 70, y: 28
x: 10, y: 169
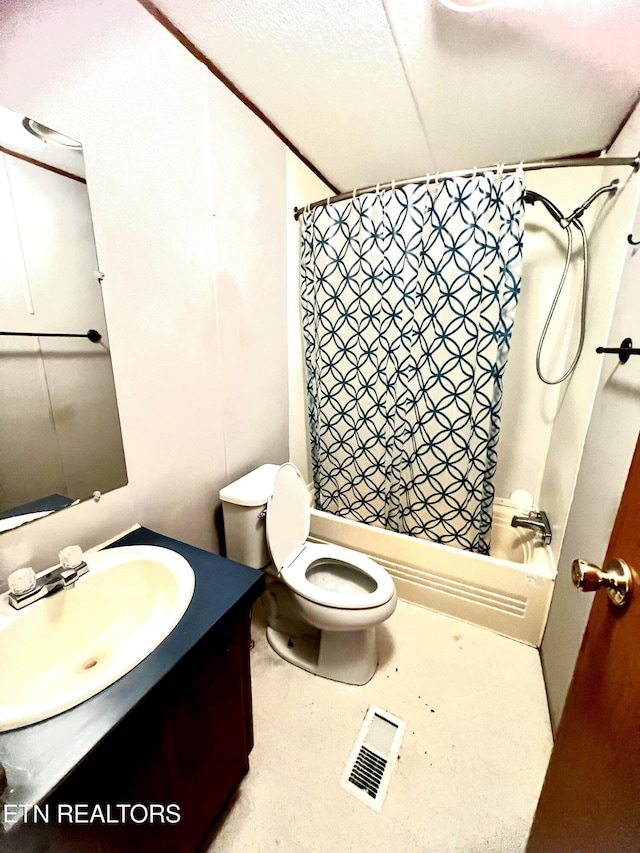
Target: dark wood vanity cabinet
x: 185, y: 744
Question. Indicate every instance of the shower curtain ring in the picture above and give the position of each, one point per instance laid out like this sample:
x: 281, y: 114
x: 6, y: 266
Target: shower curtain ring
x: 427, y: 193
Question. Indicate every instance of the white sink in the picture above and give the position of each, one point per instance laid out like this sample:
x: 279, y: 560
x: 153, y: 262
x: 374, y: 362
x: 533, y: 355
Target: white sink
x: 61, y: 650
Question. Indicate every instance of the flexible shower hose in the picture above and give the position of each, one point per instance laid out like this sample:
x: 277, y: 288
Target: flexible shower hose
x: 583, y: 310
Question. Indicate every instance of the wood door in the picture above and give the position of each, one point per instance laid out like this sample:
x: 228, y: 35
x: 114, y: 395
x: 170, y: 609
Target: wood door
x: 590, y: 800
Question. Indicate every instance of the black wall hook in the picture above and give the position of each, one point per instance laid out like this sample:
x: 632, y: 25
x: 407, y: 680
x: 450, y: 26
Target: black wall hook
x: 631, y: 241
x: 93, y: 336
x: 623, y: 351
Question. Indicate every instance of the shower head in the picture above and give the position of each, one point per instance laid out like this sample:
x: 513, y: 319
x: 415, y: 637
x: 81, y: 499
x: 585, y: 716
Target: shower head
x: 531, y: 197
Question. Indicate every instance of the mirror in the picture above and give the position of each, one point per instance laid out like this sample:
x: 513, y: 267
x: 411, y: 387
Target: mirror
x: 60, y: 439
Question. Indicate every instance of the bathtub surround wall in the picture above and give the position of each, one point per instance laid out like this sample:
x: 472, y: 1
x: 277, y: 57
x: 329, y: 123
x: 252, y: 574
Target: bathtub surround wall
x: 544, y: 427
x: 608, y: 248
x: 529, y: 406
x: 608, y: 449
x: 187, y: 192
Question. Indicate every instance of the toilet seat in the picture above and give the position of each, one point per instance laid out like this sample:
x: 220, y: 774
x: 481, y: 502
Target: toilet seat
x: 287, y: 528
x: 294, y: 574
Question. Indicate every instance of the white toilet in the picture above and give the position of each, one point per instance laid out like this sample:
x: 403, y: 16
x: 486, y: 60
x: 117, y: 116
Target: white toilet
x: 328, y: 600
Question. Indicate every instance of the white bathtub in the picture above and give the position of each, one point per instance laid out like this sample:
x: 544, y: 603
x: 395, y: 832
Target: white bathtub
x: 508, y: 592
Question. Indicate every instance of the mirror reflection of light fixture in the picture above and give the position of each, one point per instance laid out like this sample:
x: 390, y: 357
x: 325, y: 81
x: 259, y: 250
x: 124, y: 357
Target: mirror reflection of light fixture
x: 469, y: 5
x: 46, y: 134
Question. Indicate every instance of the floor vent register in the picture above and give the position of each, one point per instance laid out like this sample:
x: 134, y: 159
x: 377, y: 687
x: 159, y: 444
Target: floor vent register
x: 373, y: 758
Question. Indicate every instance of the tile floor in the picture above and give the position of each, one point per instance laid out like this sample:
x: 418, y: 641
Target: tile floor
x: 472, y: 760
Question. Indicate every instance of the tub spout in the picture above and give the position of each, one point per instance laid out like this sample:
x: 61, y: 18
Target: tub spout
x: 538, y: 521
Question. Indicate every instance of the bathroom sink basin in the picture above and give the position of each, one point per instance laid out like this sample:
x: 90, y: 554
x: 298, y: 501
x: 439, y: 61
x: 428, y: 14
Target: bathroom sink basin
x: 61, y: 650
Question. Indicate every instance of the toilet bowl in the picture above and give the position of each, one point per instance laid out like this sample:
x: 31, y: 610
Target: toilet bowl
x: 338, y: 589
x: 339, y: 594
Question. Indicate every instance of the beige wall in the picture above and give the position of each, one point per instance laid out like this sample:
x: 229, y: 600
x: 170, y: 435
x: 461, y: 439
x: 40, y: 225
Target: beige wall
x: 248, y: 165
x: 187, y: 193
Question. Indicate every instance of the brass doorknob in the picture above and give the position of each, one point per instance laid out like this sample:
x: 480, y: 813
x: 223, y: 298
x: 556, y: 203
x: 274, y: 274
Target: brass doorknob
x: 616, y: 576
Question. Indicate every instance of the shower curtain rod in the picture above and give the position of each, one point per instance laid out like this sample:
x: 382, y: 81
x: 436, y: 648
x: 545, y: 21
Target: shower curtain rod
x: 633, y: 162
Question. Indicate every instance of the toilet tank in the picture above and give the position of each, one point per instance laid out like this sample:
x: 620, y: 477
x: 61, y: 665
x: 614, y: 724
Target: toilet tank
x: 243, y: 509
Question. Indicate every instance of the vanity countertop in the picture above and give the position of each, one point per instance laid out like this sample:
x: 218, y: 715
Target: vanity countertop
x: 38, y: 757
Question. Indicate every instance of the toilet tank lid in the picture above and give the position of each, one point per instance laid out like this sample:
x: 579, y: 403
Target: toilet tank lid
x: 254, y: 489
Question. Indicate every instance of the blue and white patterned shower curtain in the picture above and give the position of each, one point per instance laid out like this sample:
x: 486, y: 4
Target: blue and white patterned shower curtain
x: 408, y: 299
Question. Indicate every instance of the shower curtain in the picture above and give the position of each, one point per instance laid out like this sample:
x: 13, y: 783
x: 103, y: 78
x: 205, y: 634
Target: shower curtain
x: 408, y: 299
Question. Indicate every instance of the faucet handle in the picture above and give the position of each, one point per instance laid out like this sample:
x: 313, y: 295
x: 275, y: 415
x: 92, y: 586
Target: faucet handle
x: 70, y: 557
x: 22, y: 581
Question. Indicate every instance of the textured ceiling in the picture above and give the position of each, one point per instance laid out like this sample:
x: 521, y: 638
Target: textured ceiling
x: 370, y: 90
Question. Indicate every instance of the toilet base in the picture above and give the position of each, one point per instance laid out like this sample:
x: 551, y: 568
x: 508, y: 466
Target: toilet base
x: 347, y: 656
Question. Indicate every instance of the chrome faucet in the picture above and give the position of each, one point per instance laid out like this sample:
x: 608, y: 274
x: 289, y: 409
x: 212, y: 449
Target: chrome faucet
x: 537, y: 521
x: 57, y: 578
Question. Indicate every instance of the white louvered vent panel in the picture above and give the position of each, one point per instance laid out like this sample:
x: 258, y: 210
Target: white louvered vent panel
x: 373, y: 758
